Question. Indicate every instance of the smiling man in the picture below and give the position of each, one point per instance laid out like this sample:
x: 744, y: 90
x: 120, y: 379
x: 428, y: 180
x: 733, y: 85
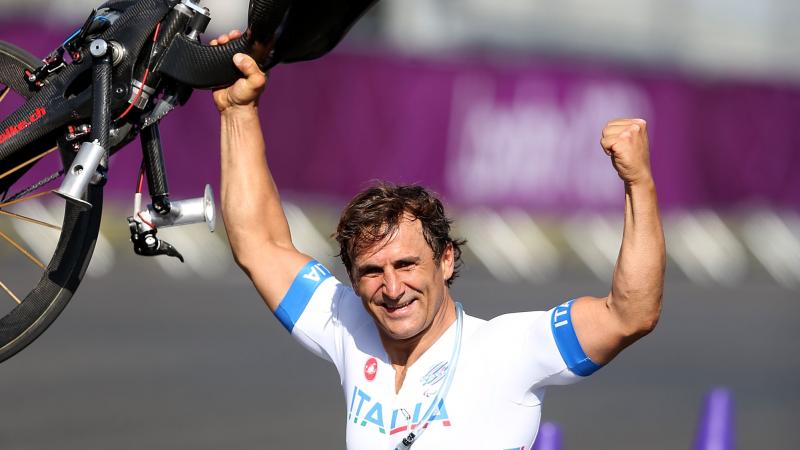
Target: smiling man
x: 415, y: 370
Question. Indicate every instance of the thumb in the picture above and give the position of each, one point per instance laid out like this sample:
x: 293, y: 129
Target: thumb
x: 253, y: 75
x: 245, y: 64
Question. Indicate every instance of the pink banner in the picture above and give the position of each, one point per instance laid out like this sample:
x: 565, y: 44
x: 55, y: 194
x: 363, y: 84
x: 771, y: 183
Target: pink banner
x: 522, y: 133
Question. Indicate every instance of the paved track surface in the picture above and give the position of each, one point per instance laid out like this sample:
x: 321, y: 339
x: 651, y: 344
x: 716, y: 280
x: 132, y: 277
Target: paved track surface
x: 141, y: 361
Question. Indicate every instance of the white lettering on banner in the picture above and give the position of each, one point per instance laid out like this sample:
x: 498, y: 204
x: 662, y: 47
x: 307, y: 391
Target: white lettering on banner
x: 541, y: 146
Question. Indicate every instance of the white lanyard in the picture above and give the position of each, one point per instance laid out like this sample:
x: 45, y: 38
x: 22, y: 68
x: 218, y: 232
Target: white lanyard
x: 441, y: 394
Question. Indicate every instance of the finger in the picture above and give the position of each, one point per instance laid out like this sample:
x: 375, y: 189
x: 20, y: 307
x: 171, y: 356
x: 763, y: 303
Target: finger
x: 614, y: 129
x: 234, y: 34
x: 620, y: 121
x: 246, y: 64
x: 257, y: 81
x: 223, y: 39
x: 608, y: 143
x: 254, y: 77
x: 627, y: 121
x: 629, y: 130
x: 213, y: 42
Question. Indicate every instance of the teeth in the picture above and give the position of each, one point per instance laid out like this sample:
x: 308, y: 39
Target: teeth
x: 397, y: 306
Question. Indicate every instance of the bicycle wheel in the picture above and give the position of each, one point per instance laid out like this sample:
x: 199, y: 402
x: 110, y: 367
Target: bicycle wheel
x: 37, y: 280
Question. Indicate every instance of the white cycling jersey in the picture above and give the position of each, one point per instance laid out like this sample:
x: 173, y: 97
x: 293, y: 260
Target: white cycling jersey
x: 494, y: 402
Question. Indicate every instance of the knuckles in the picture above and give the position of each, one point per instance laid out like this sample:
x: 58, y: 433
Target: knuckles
x: 624, y: 135
x: 640, y: 123
x: 623, y: 129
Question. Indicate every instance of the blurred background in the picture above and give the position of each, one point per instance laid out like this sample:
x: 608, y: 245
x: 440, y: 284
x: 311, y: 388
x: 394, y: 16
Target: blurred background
x: 498, y: 106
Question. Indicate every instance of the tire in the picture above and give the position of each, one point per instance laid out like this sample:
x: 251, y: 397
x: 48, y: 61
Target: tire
x: 61, y: 276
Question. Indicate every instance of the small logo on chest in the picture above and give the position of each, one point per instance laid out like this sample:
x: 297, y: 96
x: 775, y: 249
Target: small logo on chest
x: 370, y: 369
x: 436, y: 374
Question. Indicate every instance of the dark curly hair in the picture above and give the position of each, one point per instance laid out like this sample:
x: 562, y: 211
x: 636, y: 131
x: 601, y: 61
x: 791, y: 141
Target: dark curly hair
x: 375, y: 214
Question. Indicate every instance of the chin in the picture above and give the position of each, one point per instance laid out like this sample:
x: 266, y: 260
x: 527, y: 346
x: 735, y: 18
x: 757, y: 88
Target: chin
x: 400, y: 333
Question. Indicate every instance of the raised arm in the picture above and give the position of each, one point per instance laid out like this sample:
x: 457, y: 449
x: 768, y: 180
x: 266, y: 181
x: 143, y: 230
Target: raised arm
x: 254, y: 219
x: 606, y: 326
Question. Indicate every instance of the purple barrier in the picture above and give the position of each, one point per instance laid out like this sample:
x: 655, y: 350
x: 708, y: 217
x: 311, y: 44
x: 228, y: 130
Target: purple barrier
x: 549, y: 438
x: 716, y: 426
x: 495, y: 133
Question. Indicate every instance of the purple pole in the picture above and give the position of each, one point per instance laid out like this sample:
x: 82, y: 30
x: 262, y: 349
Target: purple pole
x: 715, y: 431
x: 549, y: 437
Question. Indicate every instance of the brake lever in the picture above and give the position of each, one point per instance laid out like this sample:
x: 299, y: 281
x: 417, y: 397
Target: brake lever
x: 146, y: 243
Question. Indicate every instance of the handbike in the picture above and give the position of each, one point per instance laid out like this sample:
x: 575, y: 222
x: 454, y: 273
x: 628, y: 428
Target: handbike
x: 116, y: 77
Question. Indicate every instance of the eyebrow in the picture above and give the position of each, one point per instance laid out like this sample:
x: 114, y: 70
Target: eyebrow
x: 372, y: 268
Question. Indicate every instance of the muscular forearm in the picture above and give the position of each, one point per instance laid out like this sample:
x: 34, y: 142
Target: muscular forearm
x: 250, y: 202
x: 257, y: 228
x: 638, y: 280
x: 606, y: 326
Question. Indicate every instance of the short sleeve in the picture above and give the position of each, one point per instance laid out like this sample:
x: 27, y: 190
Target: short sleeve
x: 536, y: 350
x: 567, y: 341
x: 309, y: 308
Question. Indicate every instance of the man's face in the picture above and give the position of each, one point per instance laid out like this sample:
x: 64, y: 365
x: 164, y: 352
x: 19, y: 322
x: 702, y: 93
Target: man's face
x: 400, y: 283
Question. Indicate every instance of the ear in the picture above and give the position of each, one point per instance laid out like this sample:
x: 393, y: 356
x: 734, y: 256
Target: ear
x: 447, y: 263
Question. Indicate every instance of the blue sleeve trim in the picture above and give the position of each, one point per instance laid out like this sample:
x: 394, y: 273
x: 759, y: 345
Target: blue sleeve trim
x: 567, y: 342
x: 299, y: 294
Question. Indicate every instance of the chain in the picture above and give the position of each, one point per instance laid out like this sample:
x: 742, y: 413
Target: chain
x: 34, y: 186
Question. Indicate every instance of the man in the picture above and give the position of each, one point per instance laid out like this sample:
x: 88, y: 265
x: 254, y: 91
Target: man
x: 414, y: 372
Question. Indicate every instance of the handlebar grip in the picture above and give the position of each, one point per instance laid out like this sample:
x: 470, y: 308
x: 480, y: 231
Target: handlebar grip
x: 202, y: 66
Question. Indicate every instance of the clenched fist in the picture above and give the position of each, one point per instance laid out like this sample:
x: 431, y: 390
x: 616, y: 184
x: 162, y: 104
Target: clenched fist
x: 625, y: 141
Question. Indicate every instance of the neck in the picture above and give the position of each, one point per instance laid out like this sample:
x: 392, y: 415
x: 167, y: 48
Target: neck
x: 403, y: 353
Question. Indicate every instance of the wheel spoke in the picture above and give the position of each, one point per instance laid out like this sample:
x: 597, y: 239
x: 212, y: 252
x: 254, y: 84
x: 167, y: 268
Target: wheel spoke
x: 8, y: 291
x: 4, y: 93
x: 30, y: 161
x: 29, y: 219
x: 22, y: 250
x: 25, y: 199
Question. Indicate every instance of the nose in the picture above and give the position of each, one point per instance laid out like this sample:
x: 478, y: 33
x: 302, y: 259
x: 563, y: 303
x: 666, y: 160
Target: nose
x: 393, y: 287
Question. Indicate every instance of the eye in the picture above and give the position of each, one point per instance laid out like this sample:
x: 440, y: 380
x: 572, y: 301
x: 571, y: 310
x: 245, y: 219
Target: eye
x: 405, y: 265
x: 370, y: 272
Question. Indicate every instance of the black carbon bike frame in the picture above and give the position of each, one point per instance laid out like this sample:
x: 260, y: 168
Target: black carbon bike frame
x: 129, y: 65
x: 278, y: 31
x: 134, y: 61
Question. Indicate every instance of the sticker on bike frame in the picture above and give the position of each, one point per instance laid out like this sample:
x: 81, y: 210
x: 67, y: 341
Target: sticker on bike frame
x: 13, y: 130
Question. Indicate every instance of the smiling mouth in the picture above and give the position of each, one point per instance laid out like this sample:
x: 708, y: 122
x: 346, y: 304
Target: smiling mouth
x: 399, y: 306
